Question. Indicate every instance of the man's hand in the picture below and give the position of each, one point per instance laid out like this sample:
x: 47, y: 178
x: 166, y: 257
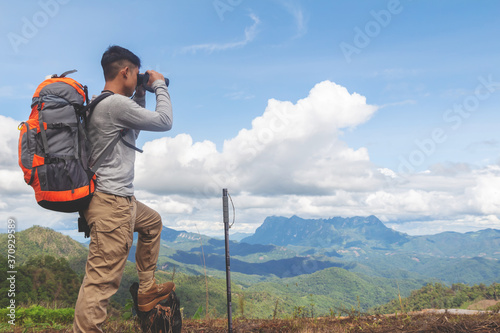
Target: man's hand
x: 140, y: 91
x: 153, y: 76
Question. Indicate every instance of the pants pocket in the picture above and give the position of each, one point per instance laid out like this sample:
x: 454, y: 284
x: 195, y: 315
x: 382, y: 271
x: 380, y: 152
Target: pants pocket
x: 110, y: 217
x: 114, y: 244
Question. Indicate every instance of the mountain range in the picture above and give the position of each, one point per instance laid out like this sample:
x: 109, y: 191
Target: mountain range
x: 369, y: 233
x: 314, y: 252
x: 287, y: 247
x: 338, y: 232
x: 452, y: 257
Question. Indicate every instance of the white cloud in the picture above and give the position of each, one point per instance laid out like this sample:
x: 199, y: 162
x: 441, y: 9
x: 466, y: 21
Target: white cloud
x: 291, y: 160
x: 203, y: 227
x: 250, y: 34
x: 9, y: 136
x: 11, y: 176
x: 175, y: 165
x: 388, y: 172
x: 27, y: 212
x: 166, y: 205
x: 484, y: 196
x: 13, y: 182
x: 291, y: 148
x: 458, y: 224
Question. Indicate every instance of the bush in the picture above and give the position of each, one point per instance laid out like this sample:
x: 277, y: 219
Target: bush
x: 37, y: 314
x: 495, y: 308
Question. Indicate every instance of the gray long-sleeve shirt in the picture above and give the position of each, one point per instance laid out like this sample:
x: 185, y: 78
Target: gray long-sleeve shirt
x: 110, y: 116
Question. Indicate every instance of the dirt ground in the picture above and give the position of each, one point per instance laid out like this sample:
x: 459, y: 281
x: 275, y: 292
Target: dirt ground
x: 430, y: 321
x: 482, y: 305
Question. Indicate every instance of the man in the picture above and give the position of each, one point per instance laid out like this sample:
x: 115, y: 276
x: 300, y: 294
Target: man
x: 114, y: 213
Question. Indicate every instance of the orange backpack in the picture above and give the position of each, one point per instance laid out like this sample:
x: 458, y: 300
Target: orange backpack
x: 53, y: 146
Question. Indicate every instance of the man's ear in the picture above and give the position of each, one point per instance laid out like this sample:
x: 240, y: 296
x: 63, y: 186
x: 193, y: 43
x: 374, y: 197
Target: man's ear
x: 125, y: 71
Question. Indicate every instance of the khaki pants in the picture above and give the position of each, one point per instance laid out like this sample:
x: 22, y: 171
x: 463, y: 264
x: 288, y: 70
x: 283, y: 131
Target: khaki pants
x: 112, y: 221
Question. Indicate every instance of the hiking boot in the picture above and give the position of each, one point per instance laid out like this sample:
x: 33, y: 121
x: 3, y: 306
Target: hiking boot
x: 158, y: 292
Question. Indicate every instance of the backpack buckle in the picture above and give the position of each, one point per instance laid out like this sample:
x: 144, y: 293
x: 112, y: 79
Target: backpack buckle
x: 52, y: 160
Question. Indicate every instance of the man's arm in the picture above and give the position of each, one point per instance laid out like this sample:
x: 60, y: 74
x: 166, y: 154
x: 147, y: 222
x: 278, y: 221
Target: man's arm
x: 129, y: 114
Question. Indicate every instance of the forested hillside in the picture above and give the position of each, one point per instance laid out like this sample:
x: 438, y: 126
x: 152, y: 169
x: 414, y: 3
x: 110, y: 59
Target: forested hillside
x: 370, y: 266
x: 39, y: 240
x: 41, y: 279
x: 439, y: 296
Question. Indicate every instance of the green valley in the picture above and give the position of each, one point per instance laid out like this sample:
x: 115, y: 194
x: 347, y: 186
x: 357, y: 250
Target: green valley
x: 289, y: 267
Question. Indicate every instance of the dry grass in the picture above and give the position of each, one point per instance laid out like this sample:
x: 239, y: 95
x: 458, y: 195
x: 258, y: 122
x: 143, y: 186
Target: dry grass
x: 483, y: 304
x: 408, y: 323
x: 402, y: 323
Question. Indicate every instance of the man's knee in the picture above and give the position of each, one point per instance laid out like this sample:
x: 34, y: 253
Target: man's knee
x: 148, y: 221
x: 155, y: 225
x: 158, y: 224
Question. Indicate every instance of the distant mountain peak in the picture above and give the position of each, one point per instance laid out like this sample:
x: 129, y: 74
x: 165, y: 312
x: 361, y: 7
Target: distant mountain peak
x: 336, y: 231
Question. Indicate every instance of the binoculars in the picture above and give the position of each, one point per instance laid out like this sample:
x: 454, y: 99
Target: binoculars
x: 142, y: 80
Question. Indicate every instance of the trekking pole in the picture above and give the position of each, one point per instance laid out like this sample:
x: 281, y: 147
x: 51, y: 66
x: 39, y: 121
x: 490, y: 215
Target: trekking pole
x: 225, y: 209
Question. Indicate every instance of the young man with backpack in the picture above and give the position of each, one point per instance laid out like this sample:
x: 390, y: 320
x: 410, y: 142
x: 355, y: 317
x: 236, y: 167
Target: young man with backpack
x: 114, y: 213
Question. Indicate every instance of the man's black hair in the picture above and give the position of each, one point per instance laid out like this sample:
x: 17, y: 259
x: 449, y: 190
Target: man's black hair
x: 115, y: 58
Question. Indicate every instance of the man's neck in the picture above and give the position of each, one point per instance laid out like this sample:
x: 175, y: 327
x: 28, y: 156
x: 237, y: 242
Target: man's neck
x: 110, y: 86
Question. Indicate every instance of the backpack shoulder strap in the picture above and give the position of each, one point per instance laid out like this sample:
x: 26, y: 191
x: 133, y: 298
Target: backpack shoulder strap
x: 86, y: 113
x: 90, y: 107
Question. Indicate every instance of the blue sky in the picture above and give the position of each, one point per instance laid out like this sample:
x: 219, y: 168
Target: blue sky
x: 418, y: 63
